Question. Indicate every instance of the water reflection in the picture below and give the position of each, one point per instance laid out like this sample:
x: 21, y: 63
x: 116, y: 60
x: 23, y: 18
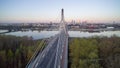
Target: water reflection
x: 87, y: 34
x: 47, y: 34
x: 34, y: 34
x: 1, y: 31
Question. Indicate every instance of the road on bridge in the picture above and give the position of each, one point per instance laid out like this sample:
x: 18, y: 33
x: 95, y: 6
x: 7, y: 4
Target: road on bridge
x: 55, y: 55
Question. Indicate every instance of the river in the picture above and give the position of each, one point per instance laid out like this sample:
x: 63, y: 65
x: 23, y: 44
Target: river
x: 48, y: 34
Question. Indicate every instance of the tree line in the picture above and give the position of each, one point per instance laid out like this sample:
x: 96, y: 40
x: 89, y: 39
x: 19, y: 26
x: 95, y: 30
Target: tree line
x: 94, y: 52
x: 15, y: 52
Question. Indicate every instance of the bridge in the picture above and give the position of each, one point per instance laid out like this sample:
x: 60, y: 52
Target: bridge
x: 55, y: 55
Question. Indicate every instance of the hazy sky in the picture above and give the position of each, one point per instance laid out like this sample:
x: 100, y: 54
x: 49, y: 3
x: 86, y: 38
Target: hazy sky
x: 49, y: 10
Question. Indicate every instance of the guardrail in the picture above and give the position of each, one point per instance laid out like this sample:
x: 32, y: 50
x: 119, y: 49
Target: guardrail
x: 38, y: 49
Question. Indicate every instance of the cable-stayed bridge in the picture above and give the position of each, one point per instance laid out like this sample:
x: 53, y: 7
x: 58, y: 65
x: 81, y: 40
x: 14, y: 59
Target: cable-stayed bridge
x: 55, y: 55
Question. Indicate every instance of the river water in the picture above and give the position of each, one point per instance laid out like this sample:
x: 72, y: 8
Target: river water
x: 48, y: 34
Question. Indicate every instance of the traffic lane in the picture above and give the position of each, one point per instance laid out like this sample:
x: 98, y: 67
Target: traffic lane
x: 64, y: 54
x: 60, y: 50
x: 47, y: 58
x: 41, y: 54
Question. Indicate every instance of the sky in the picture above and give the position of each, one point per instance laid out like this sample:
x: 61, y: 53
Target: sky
x: 95, y: 11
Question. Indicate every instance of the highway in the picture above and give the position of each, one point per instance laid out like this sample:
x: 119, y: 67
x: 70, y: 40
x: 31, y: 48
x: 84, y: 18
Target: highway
x: 46, y: 57
x: 55, y: 55
x: 62, y: 50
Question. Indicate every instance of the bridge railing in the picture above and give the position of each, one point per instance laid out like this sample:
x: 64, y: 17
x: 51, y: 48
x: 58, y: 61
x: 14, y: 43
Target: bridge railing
x: 39, y: 49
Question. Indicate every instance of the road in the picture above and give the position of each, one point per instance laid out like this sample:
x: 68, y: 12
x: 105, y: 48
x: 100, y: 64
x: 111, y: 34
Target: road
x: 55, y: 55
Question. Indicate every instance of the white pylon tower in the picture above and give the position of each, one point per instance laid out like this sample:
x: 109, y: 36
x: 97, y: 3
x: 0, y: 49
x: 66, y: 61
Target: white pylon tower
x: 62, y: 15
x: 62, y: 22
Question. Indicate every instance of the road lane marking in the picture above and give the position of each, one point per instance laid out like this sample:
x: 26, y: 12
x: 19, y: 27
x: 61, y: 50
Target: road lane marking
x: 36, y: 65
x: 59, y: 66
x: 43, y: 55
x: 62, y: 50
x: 61, y: 57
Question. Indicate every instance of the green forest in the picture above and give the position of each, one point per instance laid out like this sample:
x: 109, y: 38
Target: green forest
x: 94, y: 52
x: 15, y: 52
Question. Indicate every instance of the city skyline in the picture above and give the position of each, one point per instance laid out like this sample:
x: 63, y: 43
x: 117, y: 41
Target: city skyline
x: 94, y: 11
